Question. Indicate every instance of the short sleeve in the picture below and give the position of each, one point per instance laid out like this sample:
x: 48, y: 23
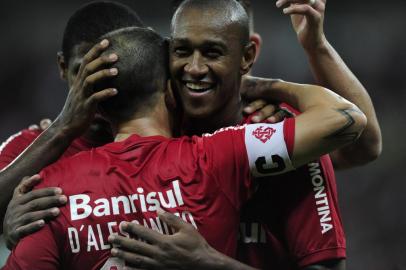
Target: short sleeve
x: 38, y: 250
x: 225, y: 153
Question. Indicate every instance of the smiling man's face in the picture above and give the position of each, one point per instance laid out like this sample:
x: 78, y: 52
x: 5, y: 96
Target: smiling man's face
x: 206, y: 55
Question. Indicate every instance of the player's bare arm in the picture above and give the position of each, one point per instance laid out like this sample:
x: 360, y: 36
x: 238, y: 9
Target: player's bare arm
x: 185, y: 249
x: 331, y: 71
x: 50, y: 145
x: 328, y: 121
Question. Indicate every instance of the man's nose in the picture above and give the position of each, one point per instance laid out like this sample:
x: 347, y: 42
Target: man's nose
x: 196, y: 65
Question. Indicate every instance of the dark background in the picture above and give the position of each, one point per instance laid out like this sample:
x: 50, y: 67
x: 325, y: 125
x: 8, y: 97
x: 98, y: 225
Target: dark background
x: 368, y: 34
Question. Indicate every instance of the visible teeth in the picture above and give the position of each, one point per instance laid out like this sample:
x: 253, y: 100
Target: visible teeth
x: 198, y: 86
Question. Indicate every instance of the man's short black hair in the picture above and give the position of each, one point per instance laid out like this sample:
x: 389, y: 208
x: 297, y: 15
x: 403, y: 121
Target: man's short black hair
x: 142, y: 72
x: 231, y: 10
x: 95, y: 19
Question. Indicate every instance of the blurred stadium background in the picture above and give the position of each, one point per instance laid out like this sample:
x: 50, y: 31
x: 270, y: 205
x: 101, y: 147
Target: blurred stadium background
x: 369, y: 35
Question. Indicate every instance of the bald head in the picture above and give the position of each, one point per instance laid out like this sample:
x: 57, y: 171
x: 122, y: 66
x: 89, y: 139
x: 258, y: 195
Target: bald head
x: 226, y: 12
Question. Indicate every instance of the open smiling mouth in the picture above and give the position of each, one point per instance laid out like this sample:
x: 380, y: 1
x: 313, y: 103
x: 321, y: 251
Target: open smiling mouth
x: 199, y: 87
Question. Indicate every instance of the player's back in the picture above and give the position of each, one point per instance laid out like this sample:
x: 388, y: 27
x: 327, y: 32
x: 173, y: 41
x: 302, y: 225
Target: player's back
x: 128, y: 180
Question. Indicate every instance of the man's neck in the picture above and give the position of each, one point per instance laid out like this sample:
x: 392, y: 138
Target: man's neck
x: 98, y: 134
x: 156, y: 122
x: 228, y: 117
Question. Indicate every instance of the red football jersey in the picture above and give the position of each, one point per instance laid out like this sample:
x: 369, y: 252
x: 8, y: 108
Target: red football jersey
x: 294, y: 219
x: 204, y: 180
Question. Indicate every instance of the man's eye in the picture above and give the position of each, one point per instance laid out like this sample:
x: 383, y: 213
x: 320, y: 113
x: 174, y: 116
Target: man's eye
x: 181, y: 52
x: 213, y: 53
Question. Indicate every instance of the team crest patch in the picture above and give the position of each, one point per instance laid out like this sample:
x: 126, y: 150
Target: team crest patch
x: 263, y: 134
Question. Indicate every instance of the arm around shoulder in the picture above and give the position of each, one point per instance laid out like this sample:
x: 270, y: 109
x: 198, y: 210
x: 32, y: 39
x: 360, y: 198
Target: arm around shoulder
x: 328, y: 121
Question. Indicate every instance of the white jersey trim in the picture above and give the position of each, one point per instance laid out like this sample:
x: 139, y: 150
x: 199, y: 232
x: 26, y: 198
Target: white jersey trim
x: 9, y: 140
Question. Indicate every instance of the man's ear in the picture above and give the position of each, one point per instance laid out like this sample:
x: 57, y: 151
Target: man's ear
x: 248, y: 58
x: 62, y: 65
x: 257, y: 39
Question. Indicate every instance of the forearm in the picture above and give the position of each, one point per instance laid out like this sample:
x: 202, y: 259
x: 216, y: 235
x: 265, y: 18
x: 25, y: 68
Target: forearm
x: 306, y: 97
x: 327, y: 121
x: 46, y: 149
x: 301, y: 96
x: 330, y: 71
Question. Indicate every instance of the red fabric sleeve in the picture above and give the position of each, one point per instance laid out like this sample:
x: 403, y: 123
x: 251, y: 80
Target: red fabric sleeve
x: 35, y: 251
x: 226, y: 152
x: 15, y: 145
x: 289, y: 131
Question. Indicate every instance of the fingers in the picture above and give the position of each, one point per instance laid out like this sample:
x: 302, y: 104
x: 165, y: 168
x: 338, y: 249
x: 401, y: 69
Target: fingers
x: 281, y: 3
x: 279, y: 116
x: 98, y: 76
x: 41, y: 199
x: 23, y: 231
x: 27, y: 184
x: 99, y: 62
x: 266, y: 112
x: 304, y: 9
x: 173, y: 221
x: 255, y: 106
x: 27, y: 213
x: 134, y: 260
x: 314, y: 3
x: 141, y: 232
x: 133, y: 245
x: 36, y: 216
x: 94, y: 75
x: 49, y: 203
x: 102, y: 95
x: 30, y: 228
x: 94, y: 52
